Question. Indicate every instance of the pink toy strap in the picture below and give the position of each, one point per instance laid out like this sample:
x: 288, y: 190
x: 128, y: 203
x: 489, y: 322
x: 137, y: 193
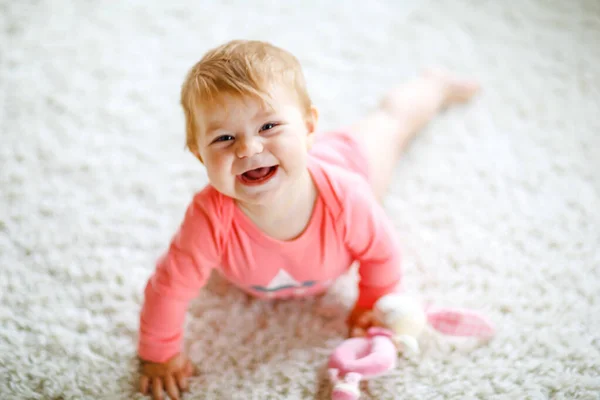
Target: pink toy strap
x: 458, y: 322
x: 378, y: 331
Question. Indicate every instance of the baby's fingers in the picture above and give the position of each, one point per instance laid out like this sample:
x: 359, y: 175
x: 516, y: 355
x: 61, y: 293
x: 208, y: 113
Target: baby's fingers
x: 181, y: 381
x: 189, y: 369
x: 144, y: 384
x: 357, y: 331
x: 171, y: 387
x: 365, y: 320
x: 157, y: 389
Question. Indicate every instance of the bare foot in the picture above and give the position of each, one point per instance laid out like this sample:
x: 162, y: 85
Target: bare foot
x: 456, y: 90
x: 420, y: 99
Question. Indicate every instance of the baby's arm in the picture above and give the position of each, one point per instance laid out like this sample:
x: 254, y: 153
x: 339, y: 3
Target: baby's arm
x: 180, y: 273
x: 372, y: 240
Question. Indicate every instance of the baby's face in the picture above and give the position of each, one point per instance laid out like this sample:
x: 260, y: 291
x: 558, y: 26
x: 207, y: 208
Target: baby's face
x: 251, y: 152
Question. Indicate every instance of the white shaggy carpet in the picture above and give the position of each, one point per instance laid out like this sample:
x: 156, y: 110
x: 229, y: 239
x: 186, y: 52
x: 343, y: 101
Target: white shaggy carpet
x: 498, y: 202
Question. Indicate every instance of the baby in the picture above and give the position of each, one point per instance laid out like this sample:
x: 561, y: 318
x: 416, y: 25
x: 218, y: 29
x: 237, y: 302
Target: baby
x: 287, y: 210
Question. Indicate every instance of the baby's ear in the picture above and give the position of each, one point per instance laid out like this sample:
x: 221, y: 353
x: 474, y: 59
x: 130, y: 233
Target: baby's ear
x: 311, y: 125
x: 312, y: 120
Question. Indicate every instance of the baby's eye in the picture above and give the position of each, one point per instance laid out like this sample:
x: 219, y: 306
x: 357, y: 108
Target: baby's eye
x: 223, y: 138
x: 268, y: 126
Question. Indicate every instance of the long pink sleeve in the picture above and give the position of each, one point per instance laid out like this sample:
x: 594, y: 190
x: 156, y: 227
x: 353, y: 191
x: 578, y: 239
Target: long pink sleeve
x: 372, y: 240
x: 180, y: 273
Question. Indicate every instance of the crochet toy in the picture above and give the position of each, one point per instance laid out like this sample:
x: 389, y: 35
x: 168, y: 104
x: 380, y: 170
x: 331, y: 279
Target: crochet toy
x: 399, y: 321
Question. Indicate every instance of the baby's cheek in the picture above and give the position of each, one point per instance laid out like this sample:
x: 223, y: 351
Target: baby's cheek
x: 215, y: 172
x: 214, y: 164
x: 292, y: 155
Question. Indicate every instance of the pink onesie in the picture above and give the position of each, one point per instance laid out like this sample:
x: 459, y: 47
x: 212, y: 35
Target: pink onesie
x: 348, y: 224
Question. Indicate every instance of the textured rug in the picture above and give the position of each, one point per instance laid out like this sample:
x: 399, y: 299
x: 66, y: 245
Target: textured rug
x: 497, y: 202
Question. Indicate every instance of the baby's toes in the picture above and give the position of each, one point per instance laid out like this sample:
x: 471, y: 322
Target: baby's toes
x: 461, y: 90
x: 458, y: 90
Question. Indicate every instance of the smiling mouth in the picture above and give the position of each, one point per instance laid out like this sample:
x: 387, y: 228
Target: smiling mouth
x: 259, y: 175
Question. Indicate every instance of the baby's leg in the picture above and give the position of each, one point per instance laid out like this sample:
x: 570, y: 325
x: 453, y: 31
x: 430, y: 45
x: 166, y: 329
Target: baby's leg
x: 403, y: 111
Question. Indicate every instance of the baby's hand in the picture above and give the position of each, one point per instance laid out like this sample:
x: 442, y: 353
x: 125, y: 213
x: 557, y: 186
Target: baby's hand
x: 170, y: 376
x: 359, y: 321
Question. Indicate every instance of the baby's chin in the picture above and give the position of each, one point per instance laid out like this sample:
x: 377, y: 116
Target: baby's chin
x: 251, y: 198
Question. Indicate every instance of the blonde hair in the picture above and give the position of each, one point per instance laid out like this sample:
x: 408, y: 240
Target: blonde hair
x: 239, y: 68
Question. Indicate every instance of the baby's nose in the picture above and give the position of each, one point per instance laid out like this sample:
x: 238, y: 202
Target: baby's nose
x: 248, y: 147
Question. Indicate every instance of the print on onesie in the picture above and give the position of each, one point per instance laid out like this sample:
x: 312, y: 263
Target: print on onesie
x: 284, y: 285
